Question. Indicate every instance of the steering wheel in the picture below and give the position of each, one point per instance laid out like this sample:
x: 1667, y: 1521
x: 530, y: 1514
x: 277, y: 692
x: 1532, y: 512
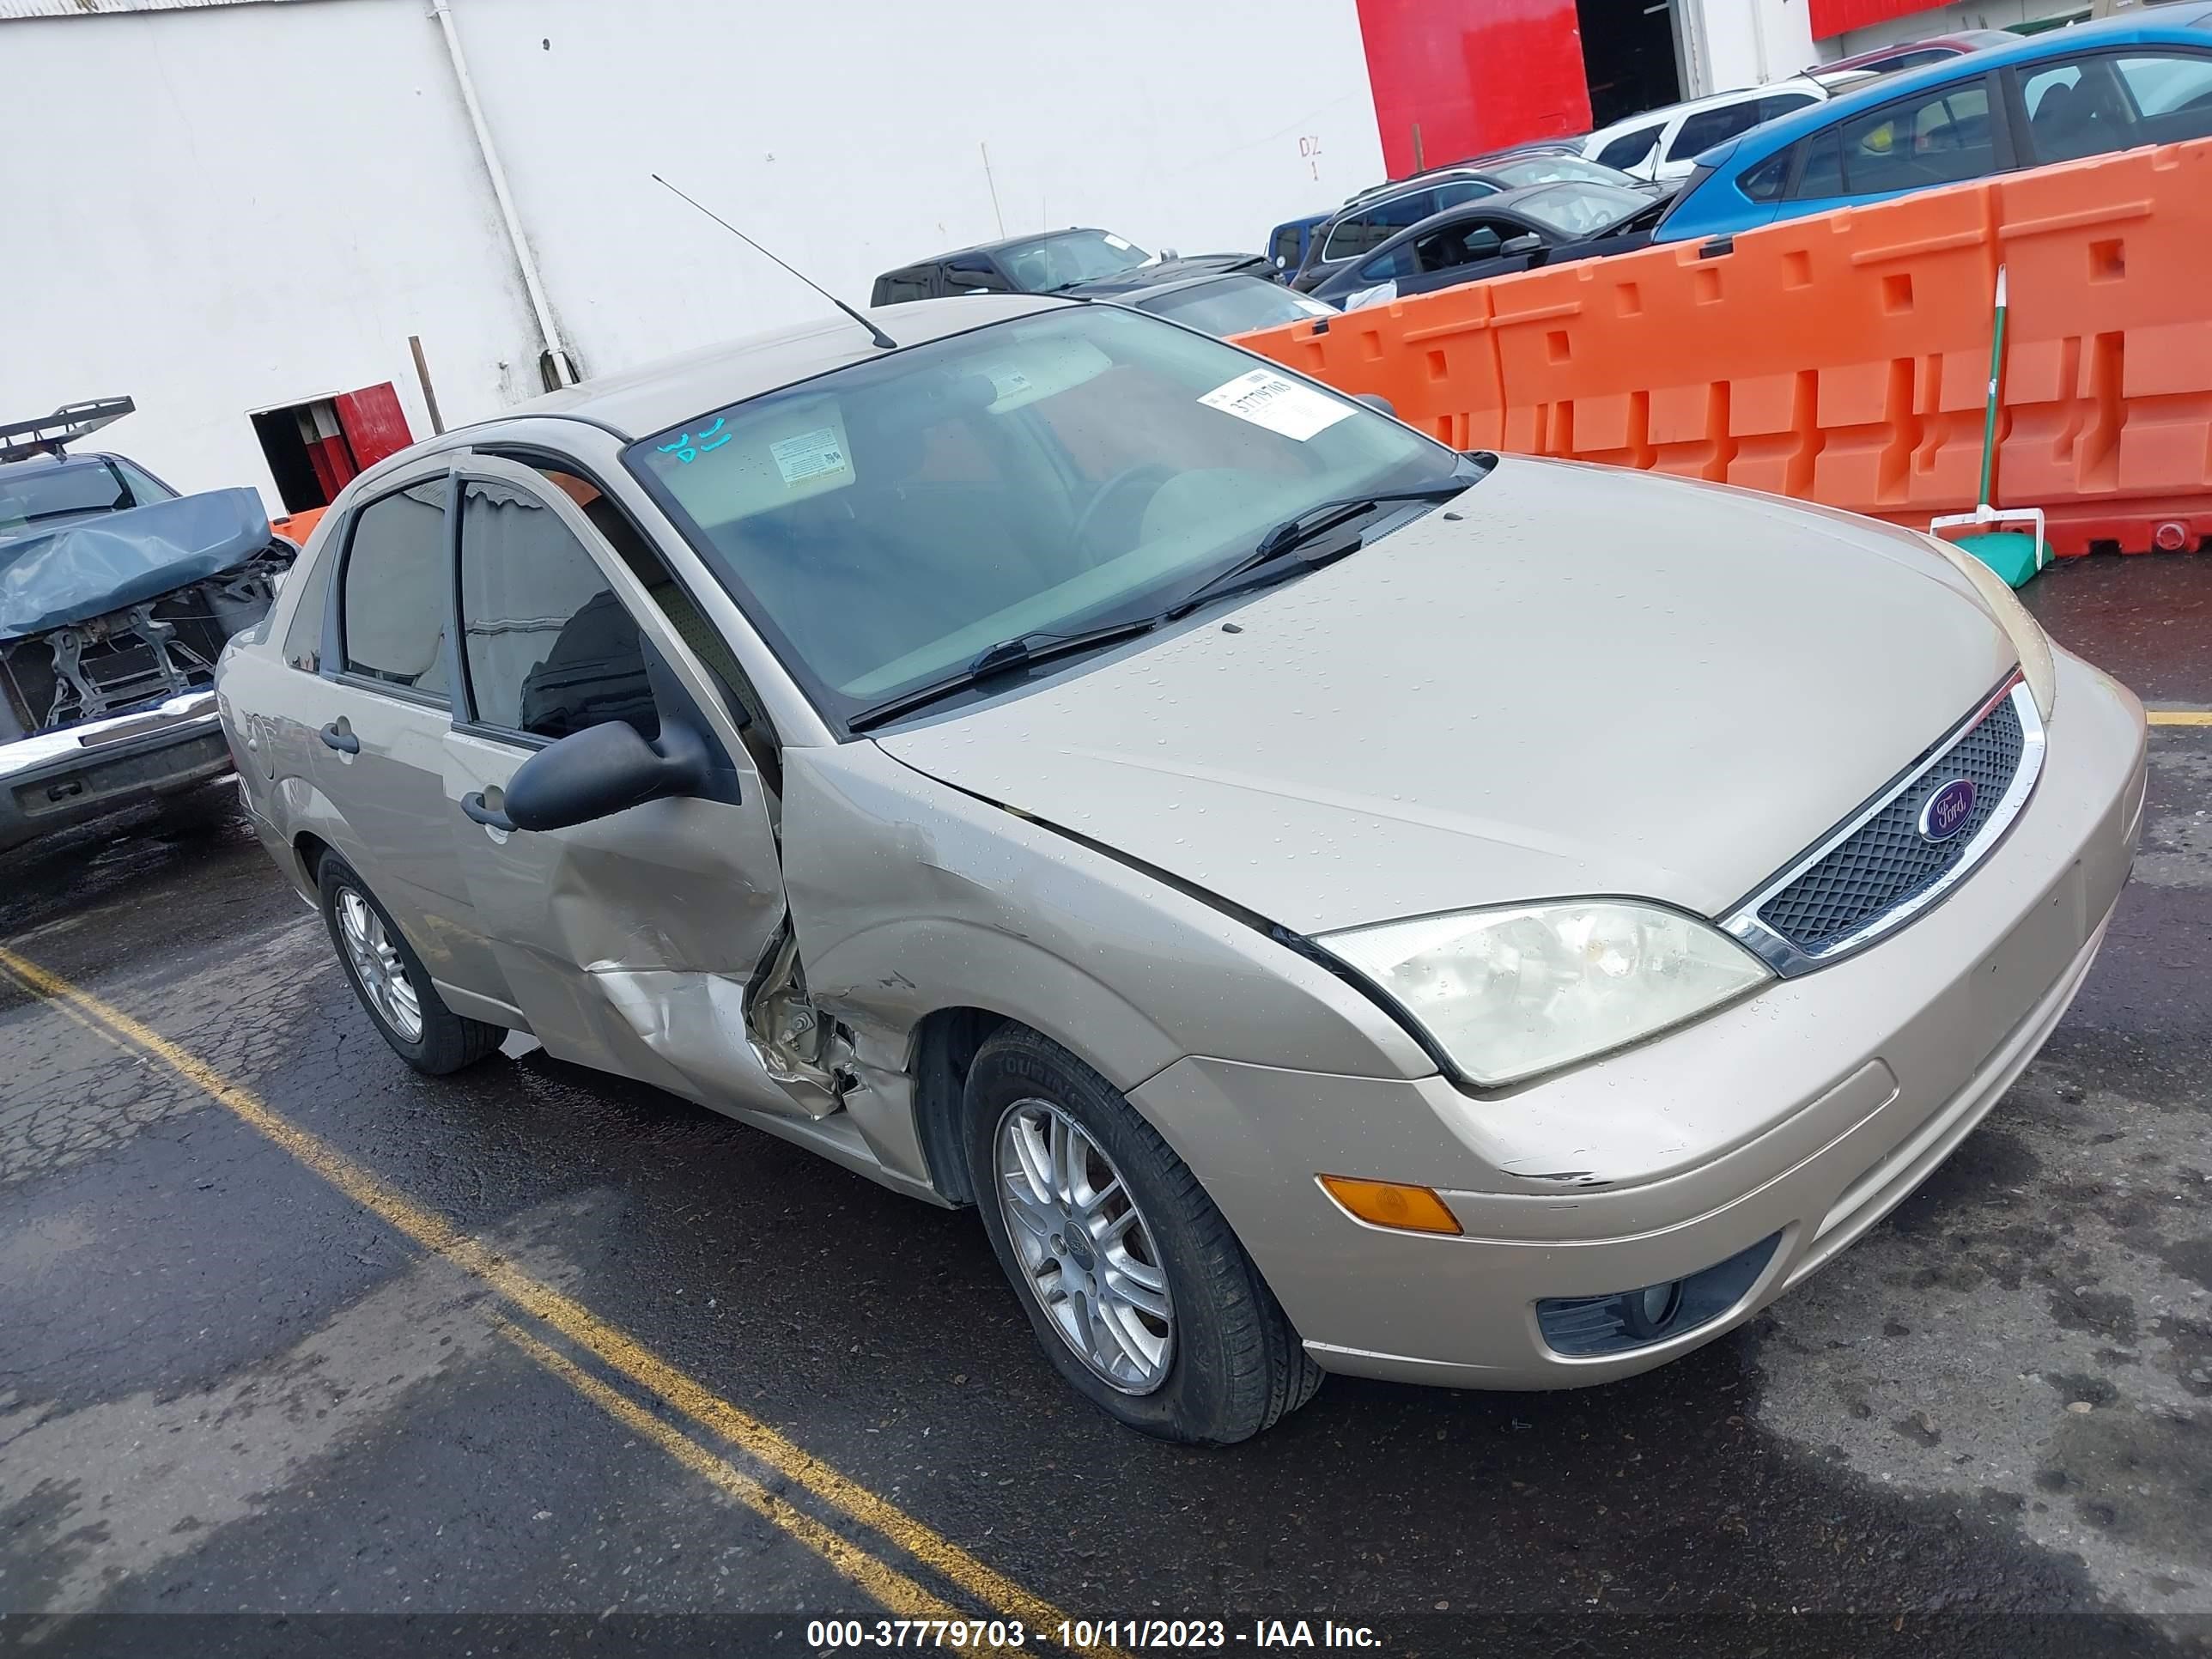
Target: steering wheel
x: 1128, y: 477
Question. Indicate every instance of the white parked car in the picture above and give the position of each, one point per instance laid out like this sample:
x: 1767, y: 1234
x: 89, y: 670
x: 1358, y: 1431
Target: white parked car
x: 1664, y: 144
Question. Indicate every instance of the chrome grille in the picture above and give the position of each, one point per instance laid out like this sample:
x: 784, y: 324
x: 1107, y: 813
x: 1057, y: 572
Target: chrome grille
x: 1880, y: 870
x: 1886, y: 860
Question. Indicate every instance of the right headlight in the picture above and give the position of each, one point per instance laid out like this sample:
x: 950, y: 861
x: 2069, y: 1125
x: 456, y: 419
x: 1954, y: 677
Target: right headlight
x: 1511, y: 992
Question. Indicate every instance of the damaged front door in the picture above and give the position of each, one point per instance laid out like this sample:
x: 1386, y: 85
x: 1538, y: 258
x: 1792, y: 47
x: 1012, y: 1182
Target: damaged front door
x: 635, y: 942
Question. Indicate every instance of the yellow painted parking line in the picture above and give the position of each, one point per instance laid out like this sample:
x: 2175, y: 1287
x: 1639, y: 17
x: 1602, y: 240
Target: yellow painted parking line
x: 614, y: 1348
x: 2179, y: 717
x: 899, y: 1593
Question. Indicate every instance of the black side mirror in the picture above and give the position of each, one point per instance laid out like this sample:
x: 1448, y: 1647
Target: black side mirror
x: 1527, y: 242
x: 602, y: 770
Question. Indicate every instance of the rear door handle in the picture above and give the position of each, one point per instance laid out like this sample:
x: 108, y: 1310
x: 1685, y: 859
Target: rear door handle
x: 490, y: 817
x: 344, y: 742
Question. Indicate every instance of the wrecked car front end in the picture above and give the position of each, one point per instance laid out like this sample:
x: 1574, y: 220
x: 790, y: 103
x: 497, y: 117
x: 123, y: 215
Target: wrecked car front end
x: 109, y: 627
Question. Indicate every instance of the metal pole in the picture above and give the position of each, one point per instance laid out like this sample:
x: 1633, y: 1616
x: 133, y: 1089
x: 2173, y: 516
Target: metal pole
x: 443, y: 11
x: 1420, y: 164
x: 423, y: 375
x: 994, y: 183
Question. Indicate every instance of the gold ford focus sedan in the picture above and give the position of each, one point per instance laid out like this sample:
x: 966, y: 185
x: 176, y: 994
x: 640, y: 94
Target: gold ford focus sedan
x: 1331, y: 904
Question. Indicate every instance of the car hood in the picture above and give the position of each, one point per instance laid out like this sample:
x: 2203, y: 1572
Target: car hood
x: 1594, y: 682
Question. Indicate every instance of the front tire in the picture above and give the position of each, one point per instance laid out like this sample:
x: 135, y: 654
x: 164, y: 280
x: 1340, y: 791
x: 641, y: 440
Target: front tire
x: 390, y: 981
x: 1138, y: 1291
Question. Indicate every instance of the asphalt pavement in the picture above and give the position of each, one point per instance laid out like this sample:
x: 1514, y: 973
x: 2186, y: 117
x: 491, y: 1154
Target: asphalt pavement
x: 531, y: 1359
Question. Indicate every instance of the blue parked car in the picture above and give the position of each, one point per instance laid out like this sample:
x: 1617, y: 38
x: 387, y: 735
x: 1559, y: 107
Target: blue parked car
x: 1287, y: 244
x: 2054, y: 97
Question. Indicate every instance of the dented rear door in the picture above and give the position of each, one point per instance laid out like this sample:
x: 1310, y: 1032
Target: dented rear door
x: 630, y: 942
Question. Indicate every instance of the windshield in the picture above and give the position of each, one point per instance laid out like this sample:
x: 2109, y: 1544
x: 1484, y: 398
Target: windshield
x: 1052, y: 262
x: 1526, y: 170
x: 32, y: 497
x: 1234, y: 304
x: 885, y: 524
x: 1581, y: 209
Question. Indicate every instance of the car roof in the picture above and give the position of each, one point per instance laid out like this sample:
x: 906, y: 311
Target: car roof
x: 1965, y: 39
x: 61, y: 463
x: 1666, y: 113
x: 2171, y: 23
x: 998, y: 246
x: 656, y: 395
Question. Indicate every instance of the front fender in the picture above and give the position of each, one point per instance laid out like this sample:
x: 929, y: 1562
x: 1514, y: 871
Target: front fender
x: 909, y: 897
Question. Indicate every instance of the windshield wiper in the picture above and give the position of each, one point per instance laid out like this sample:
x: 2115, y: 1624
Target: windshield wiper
x: 1007, y: 656
x: 1296, y: 531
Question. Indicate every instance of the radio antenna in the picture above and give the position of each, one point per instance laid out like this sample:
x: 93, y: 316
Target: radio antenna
x: 874, y: 333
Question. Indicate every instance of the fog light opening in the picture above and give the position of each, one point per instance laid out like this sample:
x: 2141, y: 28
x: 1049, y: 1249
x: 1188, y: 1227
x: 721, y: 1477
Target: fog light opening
x: 1586, y: 1326
x: 1649, y: 1311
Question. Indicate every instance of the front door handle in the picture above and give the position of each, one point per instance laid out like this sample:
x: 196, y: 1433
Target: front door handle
x: 490, y: 817
x: 344, y: 742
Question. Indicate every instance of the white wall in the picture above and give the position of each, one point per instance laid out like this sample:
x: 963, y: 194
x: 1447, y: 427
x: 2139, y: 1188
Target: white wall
x: 1749, y: 43
x: 269, y: 199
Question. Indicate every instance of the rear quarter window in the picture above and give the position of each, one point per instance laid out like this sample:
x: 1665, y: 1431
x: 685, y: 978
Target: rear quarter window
x: 303, y: 640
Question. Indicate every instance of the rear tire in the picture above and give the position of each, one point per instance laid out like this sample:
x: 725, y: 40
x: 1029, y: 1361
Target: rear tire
x: 390, y: 981
x: 1161, y: 1322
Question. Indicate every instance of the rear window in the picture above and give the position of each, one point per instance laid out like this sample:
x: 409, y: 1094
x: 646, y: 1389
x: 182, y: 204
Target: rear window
x: 1630, y: 150
x: 1708, y: 127
x: 393, y: 598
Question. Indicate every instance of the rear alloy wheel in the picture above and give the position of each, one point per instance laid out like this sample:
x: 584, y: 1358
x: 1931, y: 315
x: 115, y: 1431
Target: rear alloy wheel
x: 1140, y: 1294
x: 390, y: 981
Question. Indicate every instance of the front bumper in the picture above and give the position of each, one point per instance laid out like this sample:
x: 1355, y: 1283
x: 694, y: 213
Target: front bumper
x: 55, y: 778
x: 1808, y: 1111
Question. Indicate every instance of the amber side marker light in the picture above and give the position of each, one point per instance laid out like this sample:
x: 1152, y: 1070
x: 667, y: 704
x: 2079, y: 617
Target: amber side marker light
x: 1391, y: 1204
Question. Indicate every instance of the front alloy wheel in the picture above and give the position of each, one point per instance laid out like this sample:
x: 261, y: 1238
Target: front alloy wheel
x: 1081, y: 1237
x: 1139, y: 1294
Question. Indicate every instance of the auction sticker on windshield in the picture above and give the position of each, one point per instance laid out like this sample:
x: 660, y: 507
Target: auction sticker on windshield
x: 1266, y: 399
x: 810, y: 455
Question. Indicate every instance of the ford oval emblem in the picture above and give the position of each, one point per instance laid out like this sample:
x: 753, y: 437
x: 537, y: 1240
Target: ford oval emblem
x: 1947, y: 810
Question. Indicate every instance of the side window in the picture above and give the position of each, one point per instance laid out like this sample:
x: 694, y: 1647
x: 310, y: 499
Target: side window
x: 2077, y: 108
x: 392, y: 605
x: 973, y: 273
x: 1823, y: 176
x: 1708, y: 127
x: 1367, y: 230
x: 145, y: 489
x: 1460, y: 244
x: 551, y: 649
x: 1388, y: 267
x: 303, y: 640
x: 1629, y: 151
x: 1779, y: 103
x: 2172, y: 92
x: 1764, y: 183
x: 902, y: 286
x: 1461, y: 190
x: 1938, y: 137
x: 1283, y: 247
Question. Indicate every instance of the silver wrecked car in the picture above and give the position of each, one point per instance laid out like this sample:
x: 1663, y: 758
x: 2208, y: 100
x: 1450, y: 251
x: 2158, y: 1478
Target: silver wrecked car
x: 1330, y: 903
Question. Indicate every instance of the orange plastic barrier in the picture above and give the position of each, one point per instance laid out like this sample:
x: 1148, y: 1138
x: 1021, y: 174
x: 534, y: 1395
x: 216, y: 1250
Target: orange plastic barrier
x: 296, y: 527
x: 1845, y: 358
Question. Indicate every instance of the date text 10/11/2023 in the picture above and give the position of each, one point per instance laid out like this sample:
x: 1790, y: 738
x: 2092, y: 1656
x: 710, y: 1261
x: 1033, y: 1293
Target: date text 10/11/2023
x: 826, y: 1634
